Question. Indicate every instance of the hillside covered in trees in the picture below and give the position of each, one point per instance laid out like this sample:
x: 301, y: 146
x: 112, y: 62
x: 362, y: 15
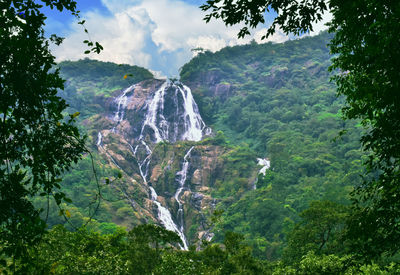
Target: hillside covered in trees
x: 252, y: 162
x: 268, y: 101
x: 278, y: 100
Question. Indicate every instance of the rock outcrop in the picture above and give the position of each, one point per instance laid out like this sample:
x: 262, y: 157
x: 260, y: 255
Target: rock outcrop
x: 152, y: 132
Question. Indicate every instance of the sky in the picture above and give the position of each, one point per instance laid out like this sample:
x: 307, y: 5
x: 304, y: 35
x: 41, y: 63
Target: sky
x: 155, y: 34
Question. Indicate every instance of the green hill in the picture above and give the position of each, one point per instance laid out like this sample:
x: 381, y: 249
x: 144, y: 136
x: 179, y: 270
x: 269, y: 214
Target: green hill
x: 278, y: 99
x: 268, y: 101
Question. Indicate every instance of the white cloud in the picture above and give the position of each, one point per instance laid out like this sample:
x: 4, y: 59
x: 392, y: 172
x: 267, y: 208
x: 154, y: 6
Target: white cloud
x: 320, y: 26
x: 208, y: 42
x: 156, y: 34
x: 178, y: 24
x: 123, y: 39
x: 277, y: 37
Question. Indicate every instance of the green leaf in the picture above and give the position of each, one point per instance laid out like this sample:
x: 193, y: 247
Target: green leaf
x: 3, y: 262
x: 67, y: 200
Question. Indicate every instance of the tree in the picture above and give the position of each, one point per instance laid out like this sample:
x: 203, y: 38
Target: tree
x: 81, y: 252
x: 145, y: 244
x: 85, y: 251
x: 292, y: 16
x: 37, y: 141
x: 321, y: 231
x: 367, y: 55
x: 236, y: 258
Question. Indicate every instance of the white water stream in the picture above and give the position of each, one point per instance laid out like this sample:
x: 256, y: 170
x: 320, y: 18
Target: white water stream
x: 122, y: 102
x: 194, y: 126
x: 182, y: 179
x: 164, y: 130
x: 265, y: 163
x: 166, y: 219
x: 99, y: 139
x: 151, y: 116
x: 143, y: 164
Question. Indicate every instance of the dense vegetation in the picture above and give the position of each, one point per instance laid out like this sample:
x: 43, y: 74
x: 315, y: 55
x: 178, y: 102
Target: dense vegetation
x: 148, y: 249
x: 88, y: 84
x: 364, y: 45
x: 281, y: 104
x: 38, y: 140
x: 265, y: 100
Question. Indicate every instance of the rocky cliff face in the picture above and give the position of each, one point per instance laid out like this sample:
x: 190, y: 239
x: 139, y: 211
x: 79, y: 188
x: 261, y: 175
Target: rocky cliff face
x: 154, y: 134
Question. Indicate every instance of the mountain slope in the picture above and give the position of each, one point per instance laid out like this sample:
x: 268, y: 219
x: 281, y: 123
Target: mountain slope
x: 278, y: 99
x: 269, y: 101
x: 152, y: 131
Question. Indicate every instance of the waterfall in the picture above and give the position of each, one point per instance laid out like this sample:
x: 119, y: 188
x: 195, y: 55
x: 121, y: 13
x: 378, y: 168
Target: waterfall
x: 143, y: 164
x: 99, y: 145
x: 173, y: 115
x: 99, y: 139
x: 194, y: 124
x: 164, y: 215
x: 166, y: 219
x: 122, y: 102
x: 182, y: 179
x: 266, y: 164
x: 151, y: 116
x: 164, y: 123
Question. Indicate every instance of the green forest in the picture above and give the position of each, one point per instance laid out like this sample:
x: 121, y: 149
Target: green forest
x: 294, y: 222
x: 290, y: 114
x: 326, y: 205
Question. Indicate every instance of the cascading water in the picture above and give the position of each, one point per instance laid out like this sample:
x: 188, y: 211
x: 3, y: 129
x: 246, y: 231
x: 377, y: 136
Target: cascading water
x: 156, y: 103
x: 172, y: 115
x: 99, y: 145
x: 182, y: 175
x: 266, y: 164
x: 166, y: 219
x: 99, y: 139
x: 143, y: 164
x: 122, y: 102
x: 194, y: 124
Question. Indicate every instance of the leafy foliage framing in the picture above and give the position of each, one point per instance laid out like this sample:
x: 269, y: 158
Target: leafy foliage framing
x: 38, y: 142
